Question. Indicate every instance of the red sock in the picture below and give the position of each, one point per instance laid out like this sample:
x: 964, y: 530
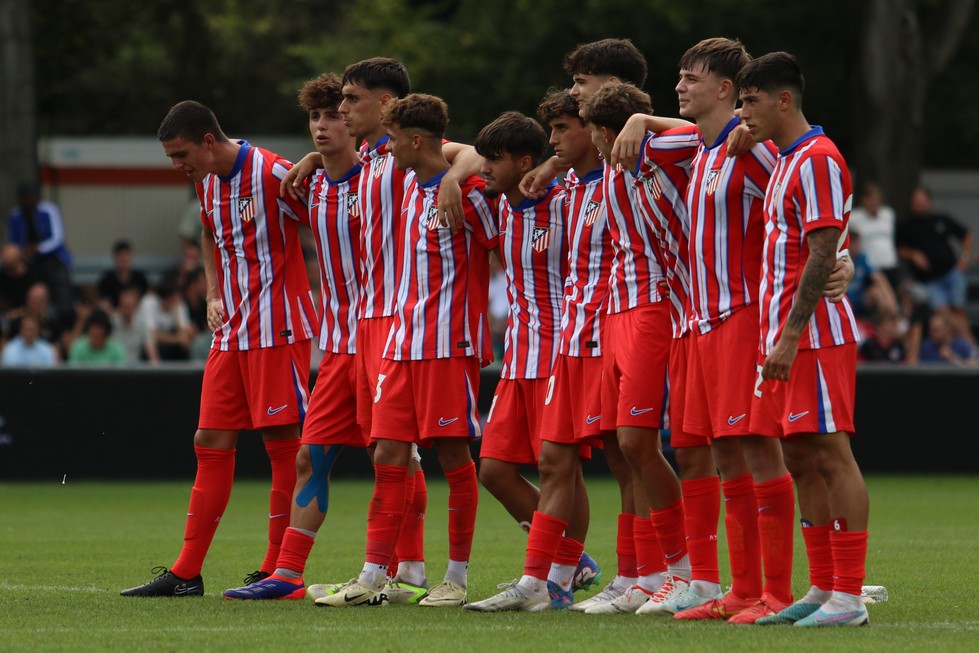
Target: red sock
x: 776, y: 519
x: 741, y: 524
x: 702, y: 509
x: 849, y: 560
x: 625, y: 546
x: 569, y: 552
x: 463, y: 500
x: 409, y: 493
x: 411, y: 542
x: 282, y: 455
x: 294, y: 551
x: 543, y: 544
x: 649, y: 554
x: 668, y: 523
x: 820, y: 556
x: 385, y: 512
x: 208, y: 499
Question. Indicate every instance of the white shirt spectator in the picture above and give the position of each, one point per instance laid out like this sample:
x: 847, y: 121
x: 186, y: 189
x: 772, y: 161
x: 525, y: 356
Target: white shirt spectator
x: 877, y: 232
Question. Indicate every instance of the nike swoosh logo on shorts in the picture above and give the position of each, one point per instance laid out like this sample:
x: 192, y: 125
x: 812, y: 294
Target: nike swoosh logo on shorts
x: 273, y: 411
x: 591, y: 420
x: 732, y: 420
x: 446, y: 422
x: 639, y: 411
x: 793, y: 418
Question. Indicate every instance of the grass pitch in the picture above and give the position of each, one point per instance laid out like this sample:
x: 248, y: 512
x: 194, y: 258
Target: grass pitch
x: 67, y: 550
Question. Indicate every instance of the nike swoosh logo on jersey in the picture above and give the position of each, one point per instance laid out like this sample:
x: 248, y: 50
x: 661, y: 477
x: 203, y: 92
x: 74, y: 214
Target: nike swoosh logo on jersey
x: 639, y: 411
x: 591, y: 420
x: 273, y: 411
x: 794, y: 417
x: 732, y: 420
x: 446, y: 422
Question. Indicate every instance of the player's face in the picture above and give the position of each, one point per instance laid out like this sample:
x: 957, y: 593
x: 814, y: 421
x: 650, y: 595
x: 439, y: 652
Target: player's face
x: 330, y: 135
x: 196, y: 160
x: 697, y: 91
x: 570, y: 139
x: 402, y: 148
x: 502, y: 174
x: 760, y: 112
x: 585, y: 85
x: 361, y: 110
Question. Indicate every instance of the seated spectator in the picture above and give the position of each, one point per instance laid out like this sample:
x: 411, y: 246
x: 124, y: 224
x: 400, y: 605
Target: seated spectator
x: 130, y: 329
x: 885, y: 343
x: 195, y: 297
x: 168, y: 322
x: 877, y: 223
x: 190, y: 260
x: 941, y: 345
x: 869, y: 290
x: 121, y: 275
x: 35, y: 225
x: 939, y: 250
x: 96, y: 346
x: 15, y: 278
x: 53, y: 324
x: 29, y: 349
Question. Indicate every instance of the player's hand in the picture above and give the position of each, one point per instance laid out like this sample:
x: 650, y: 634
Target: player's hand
x: 739, y: 141
x: 628, y: 143
x: 534, y: 183
x: 215, y: 314
x: 839, y: 279
x: 778, y: 363
x: 293, y: 184
x: 451, y: 213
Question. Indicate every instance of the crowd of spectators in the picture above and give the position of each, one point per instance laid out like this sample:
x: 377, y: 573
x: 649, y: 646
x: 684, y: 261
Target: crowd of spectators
x: 908, y: 292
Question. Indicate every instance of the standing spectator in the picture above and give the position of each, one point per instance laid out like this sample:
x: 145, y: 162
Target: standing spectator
x: 95, y: 345
x: 121, y: 275
x: 876, y: 223
x: 131, y: 330
x: 168, y: 322
x: 36, y: 226
x: 939, y: 249
x: 941, y: 345
x: 29, y: 349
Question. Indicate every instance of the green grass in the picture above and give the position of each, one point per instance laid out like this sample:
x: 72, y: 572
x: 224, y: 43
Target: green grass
x: 66, y: 551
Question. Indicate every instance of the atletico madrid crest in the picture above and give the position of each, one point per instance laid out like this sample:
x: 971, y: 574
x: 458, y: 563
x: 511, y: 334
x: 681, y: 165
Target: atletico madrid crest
x: 353, y: 208
x: 432, y: 217
x: 713, y: 178
x: 541, y: 238
x: 246, y: 208
x: 592, y: 209
x: 652, y: 185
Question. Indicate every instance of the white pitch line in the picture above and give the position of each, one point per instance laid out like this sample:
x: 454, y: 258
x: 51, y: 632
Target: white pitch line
x: 50, y: 588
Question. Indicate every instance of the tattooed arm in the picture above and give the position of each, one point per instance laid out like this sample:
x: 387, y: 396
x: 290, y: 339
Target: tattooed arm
x: 823, y: 244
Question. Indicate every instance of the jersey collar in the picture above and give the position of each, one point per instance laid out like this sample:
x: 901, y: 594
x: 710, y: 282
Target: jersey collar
x: 814, y: 131
x: 239, y: 161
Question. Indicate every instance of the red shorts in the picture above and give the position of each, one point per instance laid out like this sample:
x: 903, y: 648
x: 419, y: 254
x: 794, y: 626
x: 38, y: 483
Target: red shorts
x: 817, y: 398
x: 419, y: 401
x: 332, y: 416
x: 721, y: 377
x: 573, y: 403
x: 636, y: 351
x: 679, y: 438
x: 255, y: 388
x: 372, y: 336
x: 512, y: 431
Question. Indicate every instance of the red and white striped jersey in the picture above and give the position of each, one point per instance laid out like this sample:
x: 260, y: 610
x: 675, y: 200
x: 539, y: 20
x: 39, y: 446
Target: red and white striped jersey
x: 810, y: 189
x: 534, y: 249
x: 380, y: 193
x: 636, y: 272
x: 724, y: 199
x: 334, y: 213
x: 662, y: 175
x: 262, y: 276
x: 443, y: 287
x: 589, y: 265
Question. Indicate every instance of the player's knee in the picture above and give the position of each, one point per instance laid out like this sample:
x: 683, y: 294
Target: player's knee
x: 453, y: 453
x: 695, y: 462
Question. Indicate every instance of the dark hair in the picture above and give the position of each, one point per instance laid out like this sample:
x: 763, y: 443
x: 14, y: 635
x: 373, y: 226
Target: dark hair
x: 322, y: 92
x: 379, y: 72
x: 512, y: 133
x: 190, y: 120
x: 774, y: 71
x: 614, y: 57
x: 724, y: 57
x: 99, y: 318
x: 557, y: 103
x: 417, y: 111
x: 121, y: 246
x: 612, y: 105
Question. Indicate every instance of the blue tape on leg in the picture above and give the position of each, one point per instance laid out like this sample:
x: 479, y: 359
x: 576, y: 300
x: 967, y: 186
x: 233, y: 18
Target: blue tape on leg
x: 321, y: 460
